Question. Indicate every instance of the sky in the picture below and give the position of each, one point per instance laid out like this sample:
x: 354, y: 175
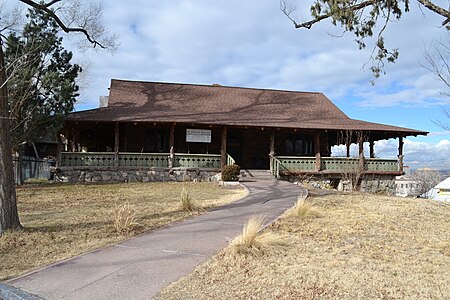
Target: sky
x: 252, y: 44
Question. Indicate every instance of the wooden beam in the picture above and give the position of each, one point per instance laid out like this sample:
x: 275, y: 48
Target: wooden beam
x: 223, y: 148
x: 317, y: 149
x: 172, y: 145
x: 372, y: 149
x: 116, y: 144
x: 347, y: 145
x: 400, y: 154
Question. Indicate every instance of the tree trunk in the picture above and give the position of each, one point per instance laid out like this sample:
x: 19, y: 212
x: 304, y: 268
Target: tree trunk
x: 9, y: 217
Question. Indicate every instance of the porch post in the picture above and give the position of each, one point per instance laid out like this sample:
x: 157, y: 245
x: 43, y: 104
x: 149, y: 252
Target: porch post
x: 361, y: 154
x: 400, y: 154
x: 59, y: 147
x: 372, y: 150
x: 68, y: 135
x: 347, y: 145
x: 272, y: 148
x: 73, y: 142
x: 171, y: 145
x: 116, y: 144
x: 317, y: 148
x: 223, y: 148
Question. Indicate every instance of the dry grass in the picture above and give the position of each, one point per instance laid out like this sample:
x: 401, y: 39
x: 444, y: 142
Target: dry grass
x: 65, y: 220
x: 124, y: 218
x: 187, y: 202
x: 363, y: 247
x: 303, y: 209
x: 254, y: 241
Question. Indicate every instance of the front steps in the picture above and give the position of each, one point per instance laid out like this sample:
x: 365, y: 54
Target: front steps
x: 256, y: 175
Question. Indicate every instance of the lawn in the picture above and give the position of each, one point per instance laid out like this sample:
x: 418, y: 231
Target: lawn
x: 62, y: 220
x: 359, y: 247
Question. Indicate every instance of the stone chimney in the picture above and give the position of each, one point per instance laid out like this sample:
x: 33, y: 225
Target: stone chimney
x: 103, y: 101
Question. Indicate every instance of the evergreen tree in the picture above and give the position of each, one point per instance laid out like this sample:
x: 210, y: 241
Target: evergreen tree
x: 41, y: 86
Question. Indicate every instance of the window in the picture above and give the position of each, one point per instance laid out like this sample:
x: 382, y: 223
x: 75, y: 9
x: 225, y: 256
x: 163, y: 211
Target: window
x: 156, y: 140
x: 299, y: 146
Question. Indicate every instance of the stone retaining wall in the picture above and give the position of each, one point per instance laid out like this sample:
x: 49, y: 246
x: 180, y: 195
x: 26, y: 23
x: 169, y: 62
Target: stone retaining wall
x: 368, y: 183
x: 74, y: 175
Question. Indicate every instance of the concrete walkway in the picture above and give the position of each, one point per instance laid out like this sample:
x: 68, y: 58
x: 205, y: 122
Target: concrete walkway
x: 141, y: 266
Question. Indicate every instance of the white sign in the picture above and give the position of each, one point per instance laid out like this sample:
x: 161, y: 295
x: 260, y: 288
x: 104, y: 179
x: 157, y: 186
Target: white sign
x: 198, y: 135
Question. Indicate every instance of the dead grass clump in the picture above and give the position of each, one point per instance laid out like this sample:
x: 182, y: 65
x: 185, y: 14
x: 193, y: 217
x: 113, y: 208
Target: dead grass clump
x: 253, y: 241
x: 187, y: 202
x: 303, y: 209
x: 124, y: 218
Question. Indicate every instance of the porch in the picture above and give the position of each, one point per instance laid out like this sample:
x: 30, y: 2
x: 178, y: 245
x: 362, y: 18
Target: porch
x: 279, y: 165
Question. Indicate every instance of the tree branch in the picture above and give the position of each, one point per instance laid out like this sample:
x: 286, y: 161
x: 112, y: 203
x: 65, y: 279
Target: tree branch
x: 46, y: 8
x: 437, y: 9
x: 308, y: 25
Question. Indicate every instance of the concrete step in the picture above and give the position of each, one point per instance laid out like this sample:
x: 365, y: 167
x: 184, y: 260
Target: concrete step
x: 257, y: 174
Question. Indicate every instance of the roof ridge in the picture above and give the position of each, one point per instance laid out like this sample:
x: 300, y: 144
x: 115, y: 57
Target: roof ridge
x: 216, y: 86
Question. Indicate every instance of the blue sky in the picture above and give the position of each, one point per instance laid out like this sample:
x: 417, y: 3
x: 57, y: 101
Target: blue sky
x: 252, y: 44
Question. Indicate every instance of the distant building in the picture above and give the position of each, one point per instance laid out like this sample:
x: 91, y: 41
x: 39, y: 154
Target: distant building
x: 405, y: 186
x: 441, y: 191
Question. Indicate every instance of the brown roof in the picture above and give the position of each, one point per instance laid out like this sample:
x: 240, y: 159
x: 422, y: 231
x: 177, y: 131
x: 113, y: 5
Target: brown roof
x: 135, y: 101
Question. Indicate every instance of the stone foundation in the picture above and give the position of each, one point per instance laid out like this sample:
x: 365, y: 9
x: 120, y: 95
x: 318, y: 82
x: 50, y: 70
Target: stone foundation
x: 81, y: 175
x: 367, y: 184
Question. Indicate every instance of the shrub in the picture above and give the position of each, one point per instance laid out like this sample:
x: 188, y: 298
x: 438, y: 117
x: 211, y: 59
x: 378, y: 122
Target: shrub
x: 231, y: 173
x: 124, y: 218
x: 303, y: 209
x: 253, y: 241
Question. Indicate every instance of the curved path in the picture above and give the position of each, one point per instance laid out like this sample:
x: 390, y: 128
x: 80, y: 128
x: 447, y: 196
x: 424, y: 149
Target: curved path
x: 141, y: 266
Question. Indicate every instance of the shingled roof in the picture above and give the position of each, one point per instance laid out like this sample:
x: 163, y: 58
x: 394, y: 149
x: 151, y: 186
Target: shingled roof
x: 136, y: 101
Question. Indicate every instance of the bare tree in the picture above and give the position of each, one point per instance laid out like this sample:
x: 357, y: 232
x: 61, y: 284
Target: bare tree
x: 82, y: 18
x: 365, y: 19
x: 437, y: 61
x: 425, y: 180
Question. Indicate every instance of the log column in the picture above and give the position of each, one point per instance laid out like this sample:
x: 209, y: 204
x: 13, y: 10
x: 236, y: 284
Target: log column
x: 223, y: 148
x: 317, y: 149
x: 400, y: 154
x: 361, y: 155
x: 272, y: 149
x: 116, y: 144
x: 171, y: 146
x: 372, y: 149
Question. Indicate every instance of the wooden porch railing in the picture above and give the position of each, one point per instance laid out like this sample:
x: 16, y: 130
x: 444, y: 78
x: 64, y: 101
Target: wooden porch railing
x: 230, y: 160
x: 211, y: 161
x: 330, y: 164
x: 126, y: 159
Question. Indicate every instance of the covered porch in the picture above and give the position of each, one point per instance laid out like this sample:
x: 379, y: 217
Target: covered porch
x: 145, y: 145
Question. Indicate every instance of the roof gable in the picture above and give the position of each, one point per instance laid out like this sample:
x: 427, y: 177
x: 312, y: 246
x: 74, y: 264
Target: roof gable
x: 188, y: 100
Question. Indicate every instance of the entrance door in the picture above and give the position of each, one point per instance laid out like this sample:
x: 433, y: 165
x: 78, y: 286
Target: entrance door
x: 249, y: 148
x: 234, y: 145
